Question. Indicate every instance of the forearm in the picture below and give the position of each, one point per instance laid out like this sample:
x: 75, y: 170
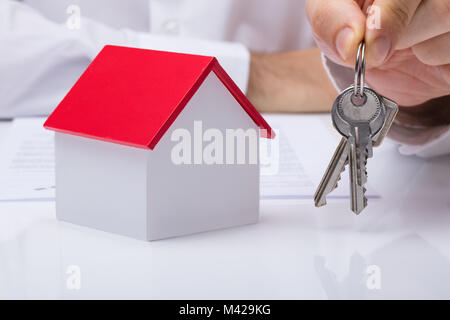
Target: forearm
x: 290, y: 82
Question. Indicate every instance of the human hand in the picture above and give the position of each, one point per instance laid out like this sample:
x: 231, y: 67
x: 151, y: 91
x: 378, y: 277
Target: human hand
x: 408, y: 56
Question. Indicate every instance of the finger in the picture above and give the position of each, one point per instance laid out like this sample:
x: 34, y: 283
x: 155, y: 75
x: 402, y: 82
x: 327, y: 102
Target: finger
x: 435, y: 51
x: 445, y: 73
x: 394, y: 16
x: 431, y: 20
x: 338, y: 27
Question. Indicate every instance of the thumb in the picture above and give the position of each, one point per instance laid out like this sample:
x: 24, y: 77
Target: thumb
x: 381, y: 37
x: 338, y: 28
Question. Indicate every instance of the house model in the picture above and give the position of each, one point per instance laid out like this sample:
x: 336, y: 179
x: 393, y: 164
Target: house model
x: 149, y: 144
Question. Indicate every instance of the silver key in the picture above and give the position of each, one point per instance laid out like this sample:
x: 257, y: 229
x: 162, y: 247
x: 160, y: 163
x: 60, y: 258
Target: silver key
x: 363, y: 118
x: 332, y: 174
x: 391, y: 112
x: 341, y: 158
x: 359, y: 124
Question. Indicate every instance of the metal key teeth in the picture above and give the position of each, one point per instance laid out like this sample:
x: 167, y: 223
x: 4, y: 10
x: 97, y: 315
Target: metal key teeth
x: 340, y: 176
x: 365, y: 198
x: 336, y: 185
x: 365, y: 164
x: 366, y: 156
x: 358, y: 166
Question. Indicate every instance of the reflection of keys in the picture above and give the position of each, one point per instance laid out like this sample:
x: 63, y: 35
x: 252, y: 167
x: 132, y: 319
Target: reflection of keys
x: 363, y: 118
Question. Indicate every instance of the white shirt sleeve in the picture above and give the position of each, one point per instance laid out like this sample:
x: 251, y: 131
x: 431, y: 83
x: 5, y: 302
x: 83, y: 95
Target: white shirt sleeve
x: 424, y: 142
x: 41, y: 60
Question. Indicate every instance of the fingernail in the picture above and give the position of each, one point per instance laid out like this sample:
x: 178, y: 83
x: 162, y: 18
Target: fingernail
x: 380, y: 50
x: 342, y: 41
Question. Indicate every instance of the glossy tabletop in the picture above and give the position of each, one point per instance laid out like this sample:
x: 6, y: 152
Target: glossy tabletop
x: 399, y: 247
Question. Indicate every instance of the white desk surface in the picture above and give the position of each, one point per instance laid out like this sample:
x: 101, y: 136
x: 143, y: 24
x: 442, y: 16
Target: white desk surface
x: 295, y: 252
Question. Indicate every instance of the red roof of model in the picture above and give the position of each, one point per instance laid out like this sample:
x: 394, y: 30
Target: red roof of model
x: 132, y: 96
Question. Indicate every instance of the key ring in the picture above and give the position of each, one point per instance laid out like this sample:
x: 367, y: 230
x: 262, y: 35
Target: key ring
x: 360, y: 70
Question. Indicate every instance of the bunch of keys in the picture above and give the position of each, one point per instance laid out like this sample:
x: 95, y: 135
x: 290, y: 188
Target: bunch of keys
x: 363, y: 118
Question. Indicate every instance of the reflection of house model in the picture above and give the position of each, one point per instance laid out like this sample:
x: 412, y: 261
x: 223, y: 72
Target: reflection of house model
x: 124, y: 161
